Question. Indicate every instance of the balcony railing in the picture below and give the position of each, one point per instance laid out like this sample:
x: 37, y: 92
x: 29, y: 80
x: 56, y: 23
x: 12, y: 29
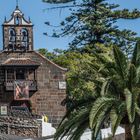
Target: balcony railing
x: 9, y: 84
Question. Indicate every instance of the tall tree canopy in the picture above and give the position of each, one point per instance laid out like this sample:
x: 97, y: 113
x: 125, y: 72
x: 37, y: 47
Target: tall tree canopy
x: 107, y: 80
x: 93, y: 21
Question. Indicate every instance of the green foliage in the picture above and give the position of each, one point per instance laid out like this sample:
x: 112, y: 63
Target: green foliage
x: 51, y: 55
x: 93, y: 21
x: 43, y: 51
x: 114, y: 97
x: 79, y: 75
x: 116, y: 118
x: 130, y: 104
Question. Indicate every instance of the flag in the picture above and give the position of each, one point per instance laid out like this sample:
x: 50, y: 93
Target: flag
x: 21, y: 90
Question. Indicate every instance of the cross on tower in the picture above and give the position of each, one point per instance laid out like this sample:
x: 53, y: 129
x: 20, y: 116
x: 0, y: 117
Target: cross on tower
x: 17, y: 2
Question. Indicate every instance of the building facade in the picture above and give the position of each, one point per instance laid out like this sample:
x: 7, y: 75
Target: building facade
x: 26, y: 77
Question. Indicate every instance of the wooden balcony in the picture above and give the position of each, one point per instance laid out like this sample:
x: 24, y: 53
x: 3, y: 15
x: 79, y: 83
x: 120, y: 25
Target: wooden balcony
x: 9, y: 84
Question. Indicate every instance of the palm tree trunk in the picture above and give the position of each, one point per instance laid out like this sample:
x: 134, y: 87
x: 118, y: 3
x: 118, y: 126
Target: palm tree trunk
x: 128, y: 135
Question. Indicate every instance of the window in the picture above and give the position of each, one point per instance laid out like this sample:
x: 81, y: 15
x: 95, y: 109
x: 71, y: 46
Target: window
x: 24, y: 38
x: 20, y: 74
x: 12, y: 35
x: 17, y: 20
x: 10, y: 74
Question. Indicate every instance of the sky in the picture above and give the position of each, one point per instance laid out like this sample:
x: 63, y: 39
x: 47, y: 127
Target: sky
x: 36, y: 10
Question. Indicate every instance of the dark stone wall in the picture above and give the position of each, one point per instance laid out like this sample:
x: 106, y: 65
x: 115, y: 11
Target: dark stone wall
x: 20, y: 127
x: 47, y: 99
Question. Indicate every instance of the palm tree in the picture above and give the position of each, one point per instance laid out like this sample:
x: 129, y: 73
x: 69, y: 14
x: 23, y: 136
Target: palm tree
x: 115, y: 99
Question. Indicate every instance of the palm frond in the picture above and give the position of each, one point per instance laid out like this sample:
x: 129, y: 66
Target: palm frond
x: 132, y: 76
x: 116, y: 115
x: 135, y: 127
x: 136, y: 54
x: 121, y: 62
x: 138, y: 75
x: 100, y: 121
x: 130, y: 106
x: 137, y: 109
x: 100, y: 106
x: 78, y: 132
x: 104, y: 87
x: 69, y: 125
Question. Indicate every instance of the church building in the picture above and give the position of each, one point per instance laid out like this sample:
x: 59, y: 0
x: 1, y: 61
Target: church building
x: 26, y: 77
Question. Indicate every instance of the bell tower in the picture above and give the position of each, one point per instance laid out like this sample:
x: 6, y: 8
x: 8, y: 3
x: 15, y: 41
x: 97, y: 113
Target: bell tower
x: 17, y: 33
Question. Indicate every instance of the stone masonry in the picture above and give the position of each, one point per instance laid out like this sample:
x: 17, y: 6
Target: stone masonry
x: 48, y: 97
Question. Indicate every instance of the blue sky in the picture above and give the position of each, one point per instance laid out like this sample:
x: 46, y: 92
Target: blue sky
x: 35, y: 9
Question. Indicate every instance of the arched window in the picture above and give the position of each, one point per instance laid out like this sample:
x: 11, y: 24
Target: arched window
x: 24, y: 38
x: 12, y: 35
x: 17, y: 20
x: 24, y: 35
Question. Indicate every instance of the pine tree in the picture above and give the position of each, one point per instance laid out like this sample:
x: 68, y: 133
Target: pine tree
x: 93, y: 21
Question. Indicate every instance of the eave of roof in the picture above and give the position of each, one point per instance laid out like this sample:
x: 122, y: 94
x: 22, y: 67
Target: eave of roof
x: 20, y: 62
x: 61, y: 68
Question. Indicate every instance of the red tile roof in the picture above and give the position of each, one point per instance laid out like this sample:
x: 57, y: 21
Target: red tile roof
x: 20, y: 62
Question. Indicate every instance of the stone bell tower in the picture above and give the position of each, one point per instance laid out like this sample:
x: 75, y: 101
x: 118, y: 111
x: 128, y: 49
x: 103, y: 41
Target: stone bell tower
x: 17, y: 33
